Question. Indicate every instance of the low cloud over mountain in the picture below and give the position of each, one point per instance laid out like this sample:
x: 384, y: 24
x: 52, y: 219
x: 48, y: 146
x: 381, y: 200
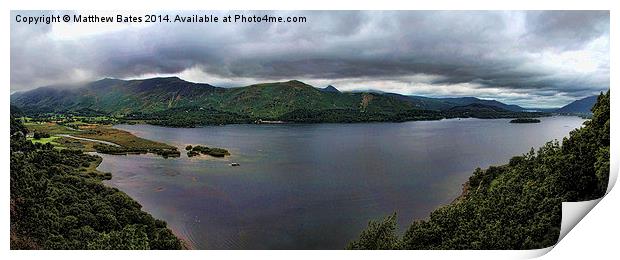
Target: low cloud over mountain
x: 528, y: 58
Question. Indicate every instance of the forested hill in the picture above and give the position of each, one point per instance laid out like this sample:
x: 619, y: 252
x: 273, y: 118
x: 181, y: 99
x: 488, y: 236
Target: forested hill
x: 269, y: 100
x: 114, y: 96
x: 447, y: 103
x: 161, y: 100
x: 58, y: 201
x: 512, y: 206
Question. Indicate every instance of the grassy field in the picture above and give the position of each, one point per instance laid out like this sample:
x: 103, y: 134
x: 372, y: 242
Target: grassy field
x: 51, y: 139
x: 71, y: 143
x: 122, y: 138
x: 50, y: 128
x: 91, y: 131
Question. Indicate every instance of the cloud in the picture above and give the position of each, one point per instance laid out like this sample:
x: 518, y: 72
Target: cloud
x: 527, y: 55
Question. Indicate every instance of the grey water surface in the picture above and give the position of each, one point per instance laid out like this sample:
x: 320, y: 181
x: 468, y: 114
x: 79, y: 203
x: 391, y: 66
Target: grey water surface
x: 314, y: 186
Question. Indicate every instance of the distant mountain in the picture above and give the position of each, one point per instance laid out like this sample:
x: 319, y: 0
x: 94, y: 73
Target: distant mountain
x: 463, y: 101
x: 581, y: 106
x: 478, y: 110
x: 330, y: 88
x: 476, y: 107
x: 447, y: 103
x: 422, y: 102
x: 176, y: 101
x: 538, y: 109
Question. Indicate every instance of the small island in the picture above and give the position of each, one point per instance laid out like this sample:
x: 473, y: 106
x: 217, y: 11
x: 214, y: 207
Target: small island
x: 120, y: 150
x: 199, y: 149
x: 525, y: 121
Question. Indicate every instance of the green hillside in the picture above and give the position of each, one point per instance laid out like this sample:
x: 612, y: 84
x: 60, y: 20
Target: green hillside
x: 174, y: 102
x: 269, y: 100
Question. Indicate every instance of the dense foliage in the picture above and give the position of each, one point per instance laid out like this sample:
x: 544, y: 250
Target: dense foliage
x: 525, y: 120
x: 17, y: 127
x: 38, y: 135
x: 513, y: 206
x: 121, y: 150
x: 199, y: 149
x: 355, y: 116
x: 189, y: 117
x: 59, y: 202
x: 487, y: 112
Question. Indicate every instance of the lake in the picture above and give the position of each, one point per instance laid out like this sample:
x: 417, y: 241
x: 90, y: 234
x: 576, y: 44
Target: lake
x: 314, y: 186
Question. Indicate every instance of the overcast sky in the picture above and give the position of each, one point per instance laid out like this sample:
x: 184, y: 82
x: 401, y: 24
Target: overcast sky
x: 532, y: 58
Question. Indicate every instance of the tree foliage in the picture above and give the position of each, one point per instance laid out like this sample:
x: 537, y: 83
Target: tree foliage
x: 121, y: 150
x: 379, y: 235
x: 57, y: 204
x: 38, y: 135
x: 199, y: 149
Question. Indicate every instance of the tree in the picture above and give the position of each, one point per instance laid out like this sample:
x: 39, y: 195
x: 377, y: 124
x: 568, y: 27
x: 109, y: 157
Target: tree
x: 379, y: 235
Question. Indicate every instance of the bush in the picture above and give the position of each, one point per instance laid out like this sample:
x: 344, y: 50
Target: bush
x: 38, y: 135
x: 199, y: 149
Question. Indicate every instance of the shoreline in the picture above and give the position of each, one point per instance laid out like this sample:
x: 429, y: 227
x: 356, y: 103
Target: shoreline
x: 184, y: 242
x: 89, y: 140
x: 279, y: 122
x: 290, y: 123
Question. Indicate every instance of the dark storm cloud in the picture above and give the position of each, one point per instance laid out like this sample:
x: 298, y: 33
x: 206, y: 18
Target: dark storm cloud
x: 565, y: 29
x: 544, y: 54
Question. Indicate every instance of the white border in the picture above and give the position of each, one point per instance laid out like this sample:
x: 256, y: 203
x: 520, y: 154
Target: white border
x: 596, y: 235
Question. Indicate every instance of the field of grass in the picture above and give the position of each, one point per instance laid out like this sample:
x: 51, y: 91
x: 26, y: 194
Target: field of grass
x: 92, y: 131
x: 75, y: 144
x: 50, y: 128
x: 51, y: 139
x: 122, y: 138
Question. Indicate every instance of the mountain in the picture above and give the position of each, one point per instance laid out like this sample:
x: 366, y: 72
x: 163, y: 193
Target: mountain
x: 476, y: 107
x: 423, y: 102
x: 581, y: 106
x: 538, y: 109
x: 330, y: 88
x: 114, y: 96
x: 447, y: 103
x: 173, y: 101
x: 463, y: 101
x: 267, y: 101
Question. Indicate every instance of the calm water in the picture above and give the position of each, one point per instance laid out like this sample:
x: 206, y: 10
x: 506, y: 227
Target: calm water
x: 314, y: 186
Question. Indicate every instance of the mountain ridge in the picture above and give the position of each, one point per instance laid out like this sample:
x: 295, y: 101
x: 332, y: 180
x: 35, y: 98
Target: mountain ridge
x: 175, y: 86
x: 580, y: 106
x: 160, y: 97
x: 330, y: 88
